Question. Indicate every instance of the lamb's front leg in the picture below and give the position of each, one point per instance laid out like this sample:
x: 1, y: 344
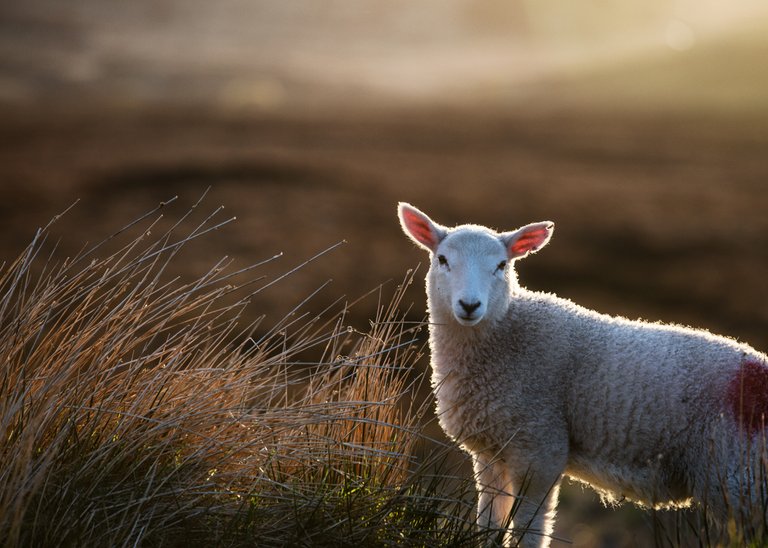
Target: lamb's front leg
x: 534, y: 517
x: 495, y: 496
x: 535, y: 488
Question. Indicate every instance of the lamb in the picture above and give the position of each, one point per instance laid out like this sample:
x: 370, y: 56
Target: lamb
x: 535, y: 387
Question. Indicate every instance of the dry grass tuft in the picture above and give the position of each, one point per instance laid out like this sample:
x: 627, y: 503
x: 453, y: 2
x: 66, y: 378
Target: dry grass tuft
x: 137, y: 410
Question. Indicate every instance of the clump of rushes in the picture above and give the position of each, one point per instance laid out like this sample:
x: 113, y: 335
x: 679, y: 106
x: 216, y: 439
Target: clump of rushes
x: 138, y: 410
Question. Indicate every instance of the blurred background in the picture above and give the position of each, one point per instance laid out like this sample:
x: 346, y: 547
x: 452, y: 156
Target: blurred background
x: 639, y: 126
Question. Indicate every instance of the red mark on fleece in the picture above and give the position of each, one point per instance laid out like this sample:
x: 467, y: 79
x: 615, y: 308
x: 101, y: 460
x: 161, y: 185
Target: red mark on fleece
x: 748, y: 395
x: 419, y: 229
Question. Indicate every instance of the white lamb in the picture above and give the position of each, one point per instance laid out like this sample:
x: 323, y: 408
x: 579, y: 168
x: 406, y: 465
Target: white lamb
x: 534, y: 387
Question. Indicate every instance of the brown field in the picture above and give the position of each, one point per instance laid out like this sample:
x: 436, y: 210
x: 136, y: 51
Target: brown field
x: 657, y: 216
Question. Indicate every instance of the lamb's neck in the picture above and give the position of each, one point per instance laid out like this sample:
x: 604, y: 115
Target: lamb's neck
x: 454, y: 346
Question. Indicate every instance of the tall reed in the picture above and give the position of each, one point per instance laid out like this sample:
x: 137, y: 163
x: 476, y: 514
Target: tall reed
x: 137, y: 409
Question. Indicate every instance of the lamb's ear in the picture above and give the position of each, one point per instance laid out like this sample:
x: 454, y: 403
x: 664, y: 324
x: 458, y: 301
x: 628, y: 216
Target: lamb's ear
x: 528, y: 239
x: 420, y: 228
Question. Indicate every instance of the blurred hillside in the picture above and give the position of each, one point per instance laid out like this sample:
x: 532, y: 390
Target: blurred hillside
x: 264, y: 54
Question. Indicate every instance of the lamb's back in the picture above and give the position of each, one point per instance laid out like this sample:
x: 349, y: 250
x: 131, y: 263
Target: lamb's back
x: 640, y: 397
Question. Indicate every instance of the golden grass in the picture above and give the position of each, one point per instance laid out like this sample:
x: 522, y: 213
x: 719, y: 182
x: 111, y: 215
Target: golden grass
x: 137, y: 410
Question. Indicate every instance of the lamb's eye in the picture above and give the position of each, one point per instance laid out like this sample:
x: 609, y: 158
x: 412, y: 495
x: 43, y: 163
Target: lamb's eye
x: 502, y: 265
x: 442, y: 260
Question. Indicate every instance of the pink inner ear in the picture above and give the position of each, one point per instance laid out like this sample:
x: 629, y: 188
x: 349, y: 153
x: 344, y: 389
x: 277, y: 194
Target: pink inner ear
x: 529, y: 241
x: 419, y: 228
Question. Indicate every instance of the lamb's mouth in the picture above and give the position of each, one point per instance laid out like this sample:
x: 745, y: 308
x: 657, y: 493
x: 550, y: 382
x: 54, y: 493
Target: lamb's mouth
x: 469, y: 320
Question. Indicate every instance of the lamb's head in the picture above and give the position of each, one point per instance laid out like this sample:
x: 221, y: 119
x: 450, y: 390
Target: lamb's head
x: 471, y: 275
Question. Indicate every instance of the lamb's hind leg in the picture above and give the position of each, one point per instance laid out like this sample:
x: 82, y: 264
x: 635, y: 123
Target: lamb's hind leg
x: 740, y: 495
x: 730, y: 479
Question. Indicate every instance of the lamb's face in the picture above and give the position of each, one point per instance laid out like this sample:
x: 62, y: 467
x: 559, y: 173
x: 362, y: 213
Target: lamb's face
x: 469, y: 276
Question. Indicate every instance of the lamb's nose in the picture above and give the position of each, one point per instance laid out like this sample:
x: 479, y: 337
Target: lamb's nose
x: 469, y: 307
